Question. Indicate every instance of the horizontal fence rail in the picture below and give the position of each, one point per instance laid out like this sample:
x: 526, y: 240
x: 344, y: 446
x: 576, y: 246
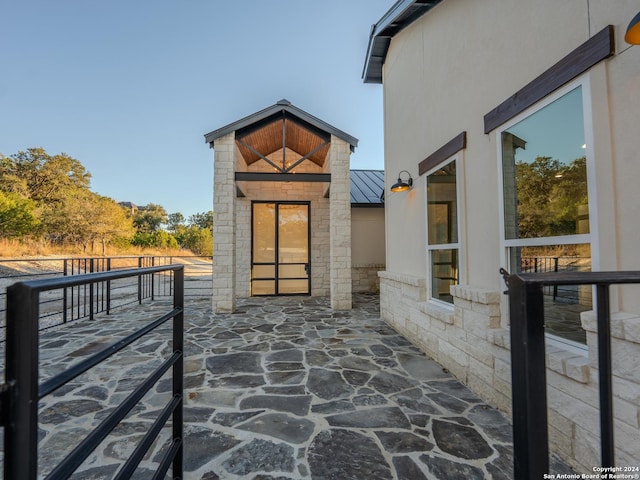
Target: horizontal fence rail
x: 22, y: 390
x: 528, y: 370
x: 546, y: 264
x: 84, y: 301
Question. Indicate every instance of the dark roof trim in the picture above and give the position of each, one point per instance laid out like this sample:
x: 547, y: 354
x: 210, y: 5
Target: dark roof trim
x: 402, y: 14
x: 368, y: 205
x: 281, y: 177
x: 281, y: 106
x: 599, y: 47
x: 449, y: 149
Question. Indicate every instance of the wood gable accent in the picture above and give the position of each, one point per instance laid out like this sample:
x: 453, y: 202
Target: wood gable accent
x: 450, y: 148
x: 591, y: 52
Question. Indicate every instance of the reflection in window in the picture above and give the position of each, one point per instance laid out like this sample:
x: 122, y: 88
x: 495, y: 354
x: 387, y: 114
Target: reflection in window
x: 563, y: 304
x: 545, y: 198
x: 545, y: 172
x: 442, y: 227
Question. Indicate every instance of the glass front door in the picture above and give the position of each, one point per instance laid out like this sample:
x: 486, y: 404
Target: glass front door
x: 280, y: 249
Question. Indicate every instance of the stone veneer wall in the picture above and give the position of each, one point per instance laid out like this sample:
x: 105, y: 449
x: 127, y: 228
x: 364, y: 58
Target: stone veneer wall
x: 364, y: 278
x: 224, y: 203
x: 340, y: 224
x: 294, y: 191
x: 330, y: 221
x: 232, y: 221
x: 471, y: 343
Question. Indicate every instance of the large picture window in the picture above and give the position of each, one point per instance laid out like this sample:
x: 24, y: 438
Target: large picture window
x: 546, y: 204
x: 442, y: 231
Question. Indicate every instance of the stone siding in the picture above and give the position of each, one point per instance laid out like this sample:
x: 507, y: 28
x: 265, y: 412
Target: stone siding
x: 224, y: 231
x: 470, y: 341
x: 364, y: 278
x: 330, y: 221
x: 319, y: 220
x: 340, y: 224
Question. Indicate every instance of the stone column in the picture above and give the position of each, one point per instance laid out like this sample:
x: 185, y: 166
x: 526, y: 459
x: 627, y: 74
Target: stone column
x: 224, y: 228
x: 340, y: 224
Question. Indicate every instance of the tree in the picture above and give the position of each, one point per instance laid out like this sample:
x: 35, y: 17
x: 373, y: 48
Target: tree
x: 18, y: 215
x: 174, y: 221
x: 110, y: 221
x: 47, y: 178
x: 568, y: 195
x: 202, y: 220
x: 49, y: 195
x: 86, y: 218
x: 9, y: 180
x: 158, y: 239
x: 150, y: 218
x: 549, y: 195
x: 70, y: 220
x: 198, y: 240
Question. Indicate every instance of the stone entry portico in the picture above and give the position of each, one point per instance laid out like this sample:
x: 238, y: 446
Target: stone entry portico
x: 281, y: 153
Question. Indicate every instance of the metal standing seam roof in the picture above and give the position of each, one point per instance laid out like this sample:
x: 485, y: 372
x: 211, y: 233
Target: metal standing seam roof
x: 366, y: 188
x: 402, y: 14
x: 281, y: 106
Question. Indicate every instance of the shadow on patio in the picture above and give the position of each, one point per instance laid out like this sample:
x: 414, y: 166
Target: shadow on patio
x: 284, y: 388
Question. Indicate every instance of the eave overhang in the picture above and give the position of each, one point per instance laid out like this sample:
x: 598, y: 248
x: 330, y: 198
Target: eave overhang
x: 282, y: 107
x: 402, y: 14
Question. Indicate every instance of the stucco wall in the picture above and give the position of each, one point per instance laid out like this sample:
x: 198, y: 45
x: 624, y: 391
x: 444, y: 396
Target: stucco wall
x: 442, y: 74
x: 367, y: 248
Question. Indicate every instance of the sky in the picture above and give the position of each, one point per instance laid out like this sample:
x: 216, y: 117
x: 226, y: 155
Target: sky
x: 555, y: 131
x: 129, y: 88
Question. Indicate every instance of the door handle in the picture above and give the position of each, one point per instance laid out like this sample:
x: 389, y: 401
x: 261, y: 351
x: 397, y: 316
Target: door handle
x: 307, y: 268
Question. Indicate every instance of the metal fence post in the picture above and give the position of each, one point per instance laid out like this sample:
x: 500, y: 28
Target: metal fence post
x: 529, y: 389
x: 91, y: 291
x: 65, y: 272
x: 172, y: 277
x: 21, y: 431
x: 178, y: 381
x: 604, y: 374
x: 108, y: 287
x: 555, y: 269
x: 153, y: 277
x: 140, y: 282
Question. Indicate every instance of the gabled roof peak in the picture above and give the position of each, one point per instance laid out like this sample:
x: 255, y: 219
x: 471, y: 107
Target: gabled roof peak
x: 289, y: 110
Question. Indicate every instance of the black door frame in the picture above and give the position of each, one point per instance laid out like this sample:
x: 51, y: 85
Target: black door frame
x: 276, y: 263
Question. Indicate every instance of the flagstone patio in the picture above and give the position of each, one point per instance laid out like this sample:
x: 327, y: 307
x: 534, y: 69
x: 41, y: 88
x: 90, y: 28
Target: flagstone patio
x: 285, y: 388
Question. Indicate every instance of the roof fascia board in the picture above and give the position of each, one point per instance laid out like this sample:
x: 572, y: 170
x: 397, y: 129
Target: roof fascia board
x: 375, y: 39
x: 243, y: 122
x: 278, y: 107
x: 316, y: 122
x: 396, y: 11
x: 373, y: 73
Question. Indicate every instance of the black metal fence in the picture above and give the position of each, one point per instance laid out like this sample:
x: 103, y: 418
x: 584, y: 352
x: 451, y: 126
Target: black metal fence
x: 528, y: 370
x: 546, y: 264
x: 22, y: 391
x: 84, y: 301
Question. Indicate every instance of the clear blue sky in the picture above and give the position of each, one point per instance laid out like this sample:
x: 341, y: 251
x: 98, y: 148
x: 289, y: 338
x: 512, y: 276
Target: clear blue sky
x: 129, y: 88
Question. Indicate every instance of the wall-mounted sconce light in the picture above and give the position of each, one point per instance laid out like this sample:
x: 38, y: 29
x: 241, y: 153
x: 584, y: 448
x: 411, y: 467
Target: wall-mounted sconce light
x: 633, y: 31
x: 400, y: 185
